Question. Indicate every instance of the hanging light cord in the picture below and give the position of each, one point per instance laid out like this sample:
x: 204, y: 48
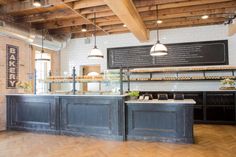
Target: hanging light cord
x: 158, y: 41
x: 42, y: 42
x: 95, y: 30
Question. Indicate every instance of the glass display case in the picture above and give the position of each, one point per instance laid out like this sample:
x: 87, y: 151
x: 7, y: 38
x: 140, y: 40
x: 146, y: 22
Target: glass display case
x: 110, y: 82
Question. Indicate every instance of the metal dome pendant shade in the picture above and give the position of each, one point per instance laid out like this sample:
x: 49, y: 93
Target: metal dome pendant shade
x: 95, y: 52
x: 158, y: 49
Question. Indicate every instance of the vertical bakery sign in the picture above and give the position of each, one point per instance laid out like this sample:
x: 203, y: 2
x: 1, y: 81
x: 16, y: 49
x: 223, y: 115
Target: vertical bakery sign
x: 12, y: 66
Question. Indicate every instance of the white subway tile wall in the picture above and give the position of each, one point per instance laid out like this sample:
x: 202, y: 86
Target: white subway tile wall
x: 75, y: 54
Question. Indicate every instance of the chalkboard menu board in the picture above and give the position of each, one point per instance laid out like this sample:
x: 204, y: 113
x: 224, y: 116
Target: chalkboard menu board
x: 181, y: 54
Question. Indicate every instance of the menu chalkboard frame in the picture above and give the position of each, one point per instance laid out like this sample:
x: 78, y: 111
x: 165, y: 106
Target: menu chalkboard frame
x: 226, y: 58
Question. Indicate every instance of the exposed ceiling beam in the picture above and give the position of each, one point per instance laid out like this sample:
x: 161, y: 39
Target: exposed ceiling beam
x: 47, y: 16
x: 73, y: 29
x: 197, y: 14
x: 72, y: 6
x: 3, y: 2
x: 128, y: 14
x: 232, y: 29
x: 67, y: 13
x: 164, y: 4
x: 189, y: 9
x: 62, y: 23
x: 87, y: 4
x: 185, y: 23
x: 146, y: 16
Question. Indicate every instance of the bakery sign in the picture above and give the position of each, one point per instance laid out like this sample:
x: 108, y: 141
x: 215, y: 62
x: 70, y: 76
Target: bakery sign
x: 12, y: 66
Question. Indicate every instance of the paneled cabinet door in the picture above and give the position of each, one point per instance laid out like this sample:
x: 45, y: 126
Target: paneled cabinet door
x: 32, y: 113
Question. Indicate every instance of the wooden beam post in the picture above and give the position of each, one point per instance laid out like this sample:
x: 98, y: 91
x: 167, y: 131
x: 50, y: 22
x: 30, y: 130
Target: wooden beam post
x: 232, y: 29
x: 129, y: 15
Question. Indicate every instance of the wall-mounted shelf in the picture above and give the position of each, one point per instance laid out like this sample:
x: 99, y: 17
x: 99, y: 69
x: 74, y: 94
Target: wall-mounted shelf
x: 180, y: 71
x: 185, y: 69
x: 182, y: 79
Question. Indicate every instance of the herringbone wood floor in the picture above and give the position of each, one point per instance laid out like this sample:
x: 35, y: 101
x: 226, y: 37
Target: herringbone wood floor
x: 211, y: 141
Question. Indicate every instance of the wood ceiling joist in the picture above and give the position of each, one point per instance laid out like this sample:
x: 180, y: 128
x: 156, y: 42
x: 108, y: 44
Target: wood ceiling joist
x: 189, y: 23
x: 87, y: 4
x: 73, y: 29
x: 148, y: 16
x: 128, y: 14
x: 3, y: 2
x: 87, y: 34
x: 96, y: 9
x: 42, y: 17
x: 63, y: 23
x: 72, y: 6
x: 169, y: 23
x: 69, y: 14
x: 87, y: 9
x: 203, y: 7
x: 185, y: 23
x: 188, y: 3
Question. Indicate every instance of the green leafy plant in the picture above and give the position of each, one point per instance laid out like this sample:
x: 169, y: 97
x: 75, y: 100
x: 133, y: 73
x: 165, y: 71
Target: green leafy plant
x: 228, y: 82
x: 24, y: 85
x: 134, y: 93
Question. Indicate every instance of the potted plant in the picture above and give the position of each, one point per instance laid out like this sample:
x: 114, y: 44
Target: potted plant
x: 133, y: 95
x: 25, y: 86
x: 227, y: 84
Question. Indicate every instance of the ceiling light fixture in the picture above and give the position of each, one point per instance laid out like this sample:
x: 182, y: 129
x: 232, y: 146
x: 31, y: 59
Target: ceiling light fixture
x: 95, y: 52
x: 84, y: 28
x: 158, y: 49
x: 124, y: 25
x: 42, y: 57
x: 159, y: 21
x: 37, y: 3
x: 204, y: 17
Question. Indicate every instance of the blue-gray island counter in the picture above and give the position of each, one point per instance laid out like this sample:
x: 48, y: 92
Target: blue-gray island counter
x: 105, y: 116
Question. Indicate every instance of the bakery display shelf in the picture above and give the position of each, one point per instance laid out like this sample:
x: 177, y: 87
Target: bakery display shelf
x: 185, y: 69
x: 182, y: 78
x: 77, y: 81
x: 79, y: 92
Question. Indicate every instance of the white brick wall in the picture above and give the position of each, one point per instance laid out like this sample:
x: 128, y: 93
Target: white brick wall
x: 75, y: 54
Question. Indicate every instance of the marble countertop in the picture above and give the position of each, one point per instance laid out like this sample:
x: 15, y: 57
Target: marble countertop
x: 155, y: 101
x: 88, y: 95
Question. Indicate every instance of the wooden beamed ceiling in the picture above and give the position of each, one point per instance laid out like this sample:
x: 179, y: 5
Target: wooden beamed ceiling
x: 61, y: 17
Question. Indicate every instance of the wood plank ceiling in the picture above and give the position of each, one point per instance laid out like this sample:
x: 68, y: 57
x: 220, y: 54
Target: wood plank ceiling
x: 63, y: 17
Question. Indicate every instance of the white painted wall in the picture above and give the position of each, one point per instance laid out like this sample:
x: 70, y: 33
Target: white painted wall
x: 76, y: 52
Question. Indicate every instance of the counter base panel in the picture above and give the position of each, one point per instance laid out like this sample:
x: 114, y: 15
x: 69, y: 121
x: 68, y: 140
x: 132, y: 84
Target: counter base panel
x: 160, y: 122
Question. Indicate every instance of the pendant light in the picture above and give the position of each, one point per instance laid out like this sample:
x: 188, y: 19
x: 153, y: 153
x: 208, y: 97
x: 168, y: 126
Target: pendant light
x: 95, y: 52
x: 84, y: 28
x: 158, y: 49
x: 37, y: 3
x: 42, y: 58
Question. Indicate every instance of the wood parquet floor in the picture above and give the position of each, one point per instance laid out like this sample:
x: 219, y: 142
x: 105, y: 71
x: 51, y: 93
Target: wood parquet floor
x: 211, y: 141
